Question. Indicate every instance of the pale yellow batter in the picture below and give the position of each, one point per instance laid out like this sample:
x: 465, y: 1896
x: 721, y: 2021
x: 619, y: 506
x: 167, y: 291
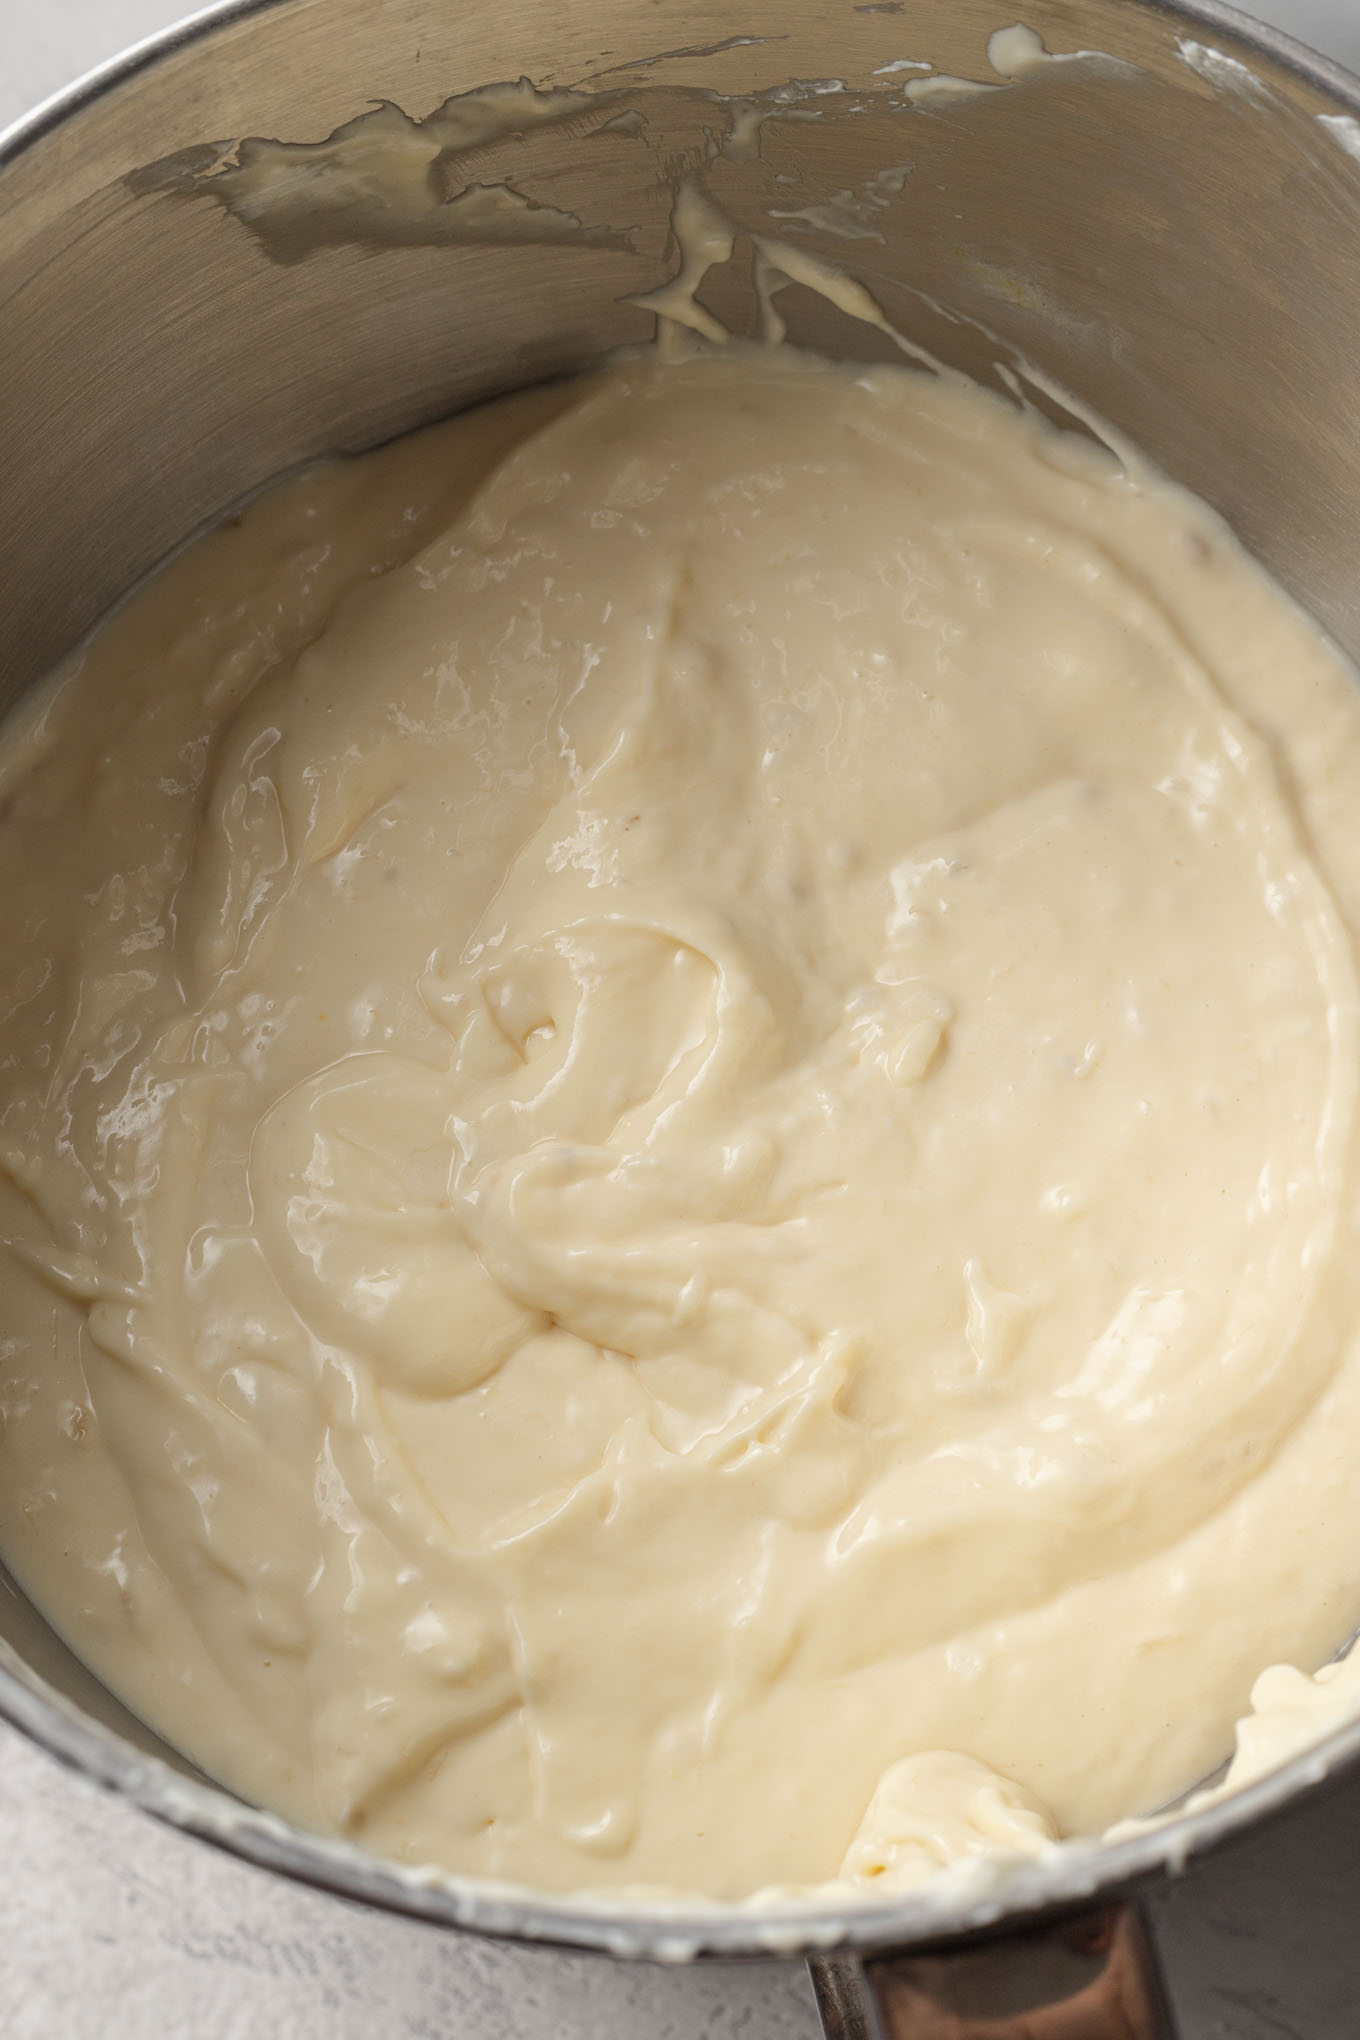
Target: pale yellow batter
x: 677, y: 1137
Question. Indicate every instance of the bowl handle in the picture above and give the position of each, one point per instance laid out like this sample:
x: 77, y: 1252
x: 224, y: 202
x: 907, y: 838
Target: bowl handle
x: 1092, y: 1977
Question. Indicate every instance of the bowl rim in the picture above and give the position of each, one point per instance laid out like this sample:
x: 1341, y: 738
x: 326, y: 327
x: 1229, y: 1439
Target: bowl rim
x: 954, y: 1907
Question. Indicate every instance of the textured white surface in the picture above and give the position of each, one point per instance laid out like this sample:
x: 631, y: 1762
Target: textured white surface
x: 113, y: 1929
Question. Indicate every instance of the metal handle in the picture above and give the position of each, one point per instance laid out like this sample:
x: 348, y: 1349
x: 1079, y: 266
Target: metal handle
x: 1095, y: 1977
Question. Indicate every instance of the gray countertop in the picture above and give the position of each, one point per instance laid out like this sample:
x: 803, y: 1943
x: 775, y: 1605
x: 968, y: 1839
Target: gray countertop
x: 114, y: 1929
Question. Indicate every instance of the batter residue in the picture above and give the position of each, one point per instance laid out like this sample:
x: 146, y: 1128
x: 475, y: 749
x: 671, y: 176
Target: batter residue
x: 677, y: 1136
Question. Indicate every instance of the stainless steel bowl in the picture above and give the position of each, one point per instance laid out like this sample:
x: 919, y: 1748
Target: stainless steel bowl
x: 1170, y: 229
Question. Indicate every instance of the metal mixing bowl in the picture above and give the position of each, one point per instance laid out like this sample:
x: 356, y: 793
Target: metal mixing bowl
x: 1171, y: 230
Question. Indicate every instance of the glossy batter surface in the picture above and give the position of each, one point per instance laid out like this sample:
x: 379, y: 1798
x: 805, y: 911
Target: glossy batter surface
x: 677, y: 1137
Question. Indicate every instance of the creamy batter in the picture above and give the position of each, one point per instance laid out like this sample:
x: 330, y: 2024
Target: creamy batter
x: 677, y: 1137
